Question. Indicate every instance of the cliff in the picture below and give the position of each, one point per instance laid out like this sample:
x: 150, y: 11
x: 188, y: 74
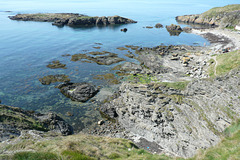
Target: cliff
x: 227, y: 16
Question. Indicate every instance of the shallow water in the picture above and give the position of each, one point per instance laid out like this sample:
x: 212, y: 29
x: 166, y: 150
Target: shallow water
x: 27, y: 47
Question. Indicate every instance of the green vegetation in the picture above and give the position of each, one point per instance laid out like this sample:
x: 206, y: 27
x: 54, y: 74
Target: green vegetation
x: 34, y: 156
x: 225, y: 63
x: 142, y: 78
x: 220, y: 10
x: 176, y: 85
x: 80, y: 147
x: 211, y: 69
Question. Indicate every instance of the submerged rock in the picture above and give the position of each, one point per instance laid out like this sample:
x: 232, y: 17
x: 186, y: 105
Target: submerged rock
x: 108, y: 59
x: 109, y: 78
x: 14, y: 120
x: 71, y: 19
x: 80, y: 92
x: 46, y: 80
x: 56, y: 64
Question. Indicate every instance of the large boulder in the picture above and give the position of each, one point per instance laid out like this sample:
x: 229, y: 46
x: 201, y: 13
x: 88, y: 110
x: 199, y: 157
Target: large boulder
x: 80, y: 92
x: 174, y: 27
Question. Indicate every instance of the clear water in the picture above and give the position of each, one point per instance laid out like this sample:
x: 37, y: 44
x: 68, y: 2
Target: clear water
x: 27, y: 47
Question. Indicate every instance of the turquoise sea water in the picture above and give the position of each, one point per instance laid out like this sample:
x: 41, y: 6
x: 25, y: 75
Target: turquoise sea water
x: 27, y: 47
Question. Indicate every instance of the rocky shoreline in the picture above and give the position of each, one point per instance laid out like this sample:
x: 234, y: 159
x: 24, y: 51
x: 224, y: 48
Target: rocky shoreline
x: 171, y: 100
x: 168, y: 95
x: 72, y: 19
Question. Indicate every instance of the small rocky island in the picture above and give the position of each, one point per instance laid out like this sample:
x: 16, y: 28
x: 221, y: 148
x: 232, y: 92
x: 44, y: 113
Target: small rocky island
x: 72, y: 19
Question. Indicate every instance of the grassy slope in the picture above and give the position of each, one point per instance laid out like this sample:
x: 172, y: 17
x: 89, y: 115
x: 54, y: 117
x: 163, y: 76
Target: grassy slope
x: 80, y: 147
x: 226, y: 62
x: 220, y: 10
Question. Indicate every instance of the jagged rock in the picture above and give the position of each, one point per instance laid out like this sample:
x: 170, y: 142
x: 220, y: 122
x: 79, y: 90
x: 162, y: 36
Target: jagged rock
x: 14, y: 120
x: 80, y: 92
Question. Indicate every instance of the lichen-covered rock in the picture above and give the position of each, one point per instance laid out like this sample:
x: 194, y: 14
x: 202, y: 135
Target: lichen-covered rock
x: 80, y: 92
x: 14, y: 120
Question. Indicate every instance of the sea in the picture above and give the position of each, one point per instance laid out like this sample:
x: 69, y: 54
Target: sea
x: 27, y: 47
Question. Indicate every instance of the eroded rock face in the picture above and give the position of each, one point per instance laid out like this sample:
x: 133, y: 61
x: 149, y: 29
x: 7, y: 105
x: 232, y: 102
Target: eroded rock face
x: 71, y: 19
x: 228, y: 19
x: 180, y: 121
x: 80, y: 92
x: 14, y: 120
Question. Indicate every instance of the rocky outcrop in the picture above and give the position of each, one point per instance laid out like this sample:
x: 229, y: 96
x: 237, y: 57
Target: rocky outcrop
x: 228, y: 16
x: 70, y: 19
x: 181, y: 122
x: 14, y: 120
x: 174, y: 30
x: 80, y: 92
x: 158, y: 25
